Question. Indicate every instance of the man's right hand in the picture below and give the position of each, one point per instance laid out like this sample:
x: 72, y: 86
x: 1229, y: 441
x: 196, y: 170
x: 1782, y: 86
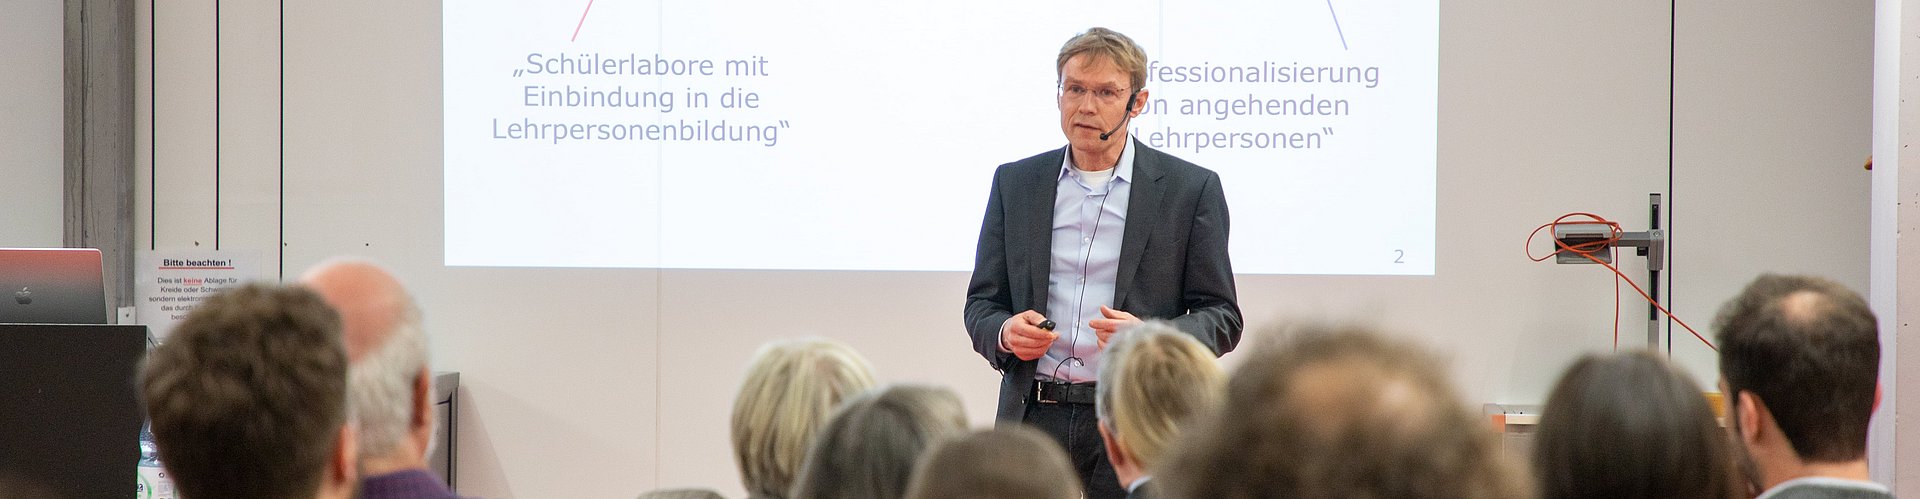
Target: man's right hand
x: 1022, y: 336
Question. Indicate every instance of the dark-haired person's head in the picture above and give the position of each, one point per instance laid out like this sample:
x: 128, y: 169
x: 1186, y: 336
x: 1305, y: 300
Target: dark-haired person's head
x: 1338, y: 412
x: 1799, y: 364
x: 1630, y: 425
x: 868, y: 448
x: 247, y: 398
x: 1009, y: 462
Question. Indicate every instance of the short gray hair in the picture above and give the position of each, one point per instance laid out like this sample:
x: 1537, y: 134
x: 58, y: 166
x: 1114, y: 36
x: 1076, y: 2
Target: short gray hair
x: 869, y: 447
x: 1010, y: 462
x: 380, y: 386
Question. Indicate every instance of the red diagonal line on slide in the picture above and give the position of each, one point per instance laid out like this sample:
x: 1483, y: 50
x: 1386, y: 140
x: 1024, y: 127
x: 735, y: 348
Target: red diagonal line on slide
x: 583, y: 21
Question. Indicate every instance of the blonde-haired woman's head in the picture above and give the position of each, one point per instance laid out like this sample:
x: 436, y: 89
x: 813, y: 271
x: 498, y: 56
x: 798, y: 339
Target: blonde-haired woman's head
x: 1153, y: 380
x: 792, y: 387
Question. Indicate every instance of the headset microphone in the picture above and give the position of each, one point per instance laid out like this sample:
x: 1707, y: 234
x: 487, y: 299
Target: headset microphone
x: 1124, y: 117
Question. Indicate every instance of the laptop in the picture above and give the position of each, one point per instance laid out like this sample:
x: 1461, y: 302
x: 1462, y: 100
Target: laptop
x: 52, y: 286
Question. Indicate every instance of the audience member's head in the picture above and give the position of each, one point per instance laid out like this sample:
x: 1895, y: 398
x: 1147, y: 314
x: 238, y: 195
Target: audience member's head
x: 1630, y: 425
x: 1341, y: 413
x: 1799, y: 361
x: 682, y: 494
x: 1010, y: 462
x: 792, y: 387
x: 248, y: 398
x: 867, y: 450
x: 1153, y: 381
x: 388, y: 382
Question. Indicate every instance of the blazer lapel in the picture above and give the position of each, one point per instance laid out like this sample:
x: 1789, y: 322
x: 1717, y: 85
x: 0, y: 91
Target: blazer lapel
x: 1036, y: 229
x: 1143, y: 213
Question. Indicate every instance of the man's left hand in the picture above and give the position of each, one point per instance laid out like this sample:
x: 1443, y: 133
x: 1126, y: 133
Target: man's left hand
x: 1115, y: 319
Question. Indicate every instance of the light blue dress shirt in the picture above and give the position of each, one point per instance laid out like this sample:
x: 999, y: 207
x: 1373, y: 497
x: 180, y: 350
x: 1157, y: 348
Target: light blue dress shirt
x: 1089, y: 219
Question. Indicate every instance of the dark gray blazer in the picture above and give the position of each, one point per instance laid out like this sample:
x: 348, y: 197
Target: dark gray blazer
x: 1173, y: 258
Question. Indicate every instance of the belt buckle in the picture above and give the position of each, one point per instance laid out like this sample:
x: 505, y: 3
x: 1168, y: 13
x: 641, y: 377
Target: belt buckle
x: 1040, y: 393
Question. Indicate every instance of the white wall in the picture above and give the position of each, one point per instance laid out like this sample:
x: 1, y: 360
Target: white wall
x: 604, y: 383
x: 1895, y: 261
x: 30, y: 117
x: 1772, y: 118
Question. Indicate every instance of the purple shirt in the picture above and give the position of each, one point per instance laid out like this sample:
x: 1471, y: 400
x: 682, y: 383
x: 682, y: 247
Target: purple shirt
x: 407, y: 484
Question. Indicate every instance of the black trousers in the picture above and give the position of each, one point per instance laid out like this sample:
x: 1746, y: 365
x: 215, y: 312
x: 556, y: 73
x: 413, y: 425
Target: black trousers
x: 1077, y: 429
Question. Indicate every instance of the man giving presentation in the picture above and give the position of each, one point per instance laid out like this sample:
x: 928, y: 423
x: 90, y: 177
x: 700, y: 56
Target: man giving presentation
x: 1080, y: 242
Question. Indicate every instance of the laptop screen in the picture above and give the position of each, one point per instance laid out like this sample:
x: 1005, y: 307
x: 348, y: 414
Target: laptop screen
x: 52, y: 286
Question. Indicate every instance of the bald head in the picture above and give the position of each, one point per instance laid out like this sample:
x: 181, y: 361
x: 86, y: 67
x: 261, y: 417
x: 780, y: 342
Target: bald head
x: 370, y: 301
x: 388, y: 383
x: 1804, y: 308
x: 1339, y: 396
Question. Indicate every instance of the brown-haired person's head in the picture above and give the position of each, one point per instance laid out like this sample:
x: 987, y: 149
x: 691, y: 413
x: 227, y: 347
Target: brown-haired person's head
x: 1009, y: 462
x: 247, y: 398
x: 869, y: 446
x: 1800, y: 363
x: 1337, y: 412
x: 1630, y: 425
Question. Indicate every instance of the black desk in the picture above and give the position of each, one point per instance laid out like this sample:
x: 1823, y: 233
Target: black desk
x: 69, y: 412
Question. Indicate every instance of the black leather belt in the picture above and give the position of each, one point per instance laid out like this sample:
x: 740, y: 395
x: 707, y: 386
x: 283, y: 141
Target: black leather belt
x: 1050, y: 392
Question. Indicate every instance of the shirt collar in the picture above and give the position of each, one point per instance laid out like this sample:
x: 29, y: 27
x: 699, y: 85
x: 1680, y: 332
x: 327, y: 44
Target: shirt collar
x: 1122, y: 171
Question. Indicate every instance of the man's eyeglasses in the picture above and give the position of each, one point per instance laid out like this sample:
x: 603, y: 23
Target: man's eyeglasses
x: 1105, y: 95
